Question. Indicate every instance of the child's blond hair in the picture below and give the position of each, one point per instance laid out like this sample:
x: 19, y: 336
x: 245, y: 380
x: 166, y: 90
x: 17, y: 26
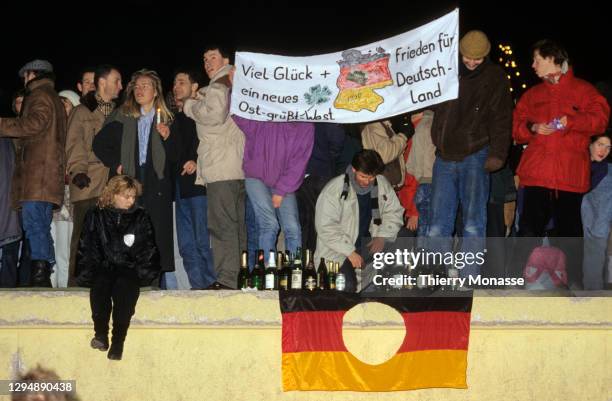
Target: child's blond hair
x: 117, y: 185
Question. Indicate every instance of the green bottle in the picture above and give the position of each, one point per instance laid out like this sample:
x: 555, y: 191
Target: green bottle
x: 310, y: 274
x: 284, y: 276
x: 322, y: 279
x: 332, y: 276
x: 259, y: 272
x: 243, y: 273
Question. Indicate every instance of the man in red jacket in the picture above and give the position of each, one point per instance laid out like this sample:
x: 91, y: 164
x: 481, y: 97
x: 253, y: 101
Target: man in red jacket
x: 556, y: 119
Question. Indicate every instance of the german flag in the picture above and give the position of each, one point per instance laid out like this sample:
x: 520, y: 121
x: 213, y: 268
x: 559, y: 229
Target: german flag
x: 433, y: 353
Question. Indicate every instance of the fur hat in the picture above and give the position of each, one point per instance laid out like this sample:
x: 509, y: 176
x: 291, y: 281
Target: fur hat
x: 475, y: 45
x: 36, y: 65
x: 71, y: 96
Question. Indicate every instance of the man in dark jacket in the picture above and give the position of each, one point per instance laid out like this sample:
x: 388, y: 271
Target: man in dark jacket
x: 38, y: 181
x: 328, y: 144
x: 472, y: 136
x: 191, y: 200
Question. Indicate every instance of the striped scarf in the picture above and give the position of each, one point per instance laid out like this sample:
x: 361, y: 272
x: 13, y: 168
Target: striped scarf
x: 349, y: 180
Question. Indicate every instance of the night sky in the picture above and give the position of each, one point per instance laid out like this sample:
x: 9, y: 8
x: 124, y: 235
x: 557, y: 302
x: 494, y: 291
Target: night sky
x: 139, y: 34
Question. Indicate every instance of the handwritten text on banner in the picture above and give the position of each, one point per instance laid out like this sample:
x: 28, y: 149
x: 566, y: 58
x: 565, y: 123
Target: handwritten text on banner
x: 393, y: 76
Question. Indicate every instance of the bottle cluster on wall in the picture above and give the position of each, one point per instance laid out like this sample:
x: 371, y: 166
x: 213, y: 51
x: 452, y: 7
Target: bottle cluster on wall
x: 287, y: 271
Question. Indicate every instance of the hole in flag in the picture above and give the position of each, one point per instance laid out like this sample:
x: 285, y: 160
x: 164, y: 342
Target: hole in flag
x: 373, y: 332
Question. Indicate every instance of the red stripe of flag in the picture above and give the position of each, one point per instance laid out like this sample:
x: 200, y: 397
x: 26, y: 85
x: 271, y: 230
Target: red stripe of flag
x: 436, y: 330
x: 313, y: 331
x: 322, y: 331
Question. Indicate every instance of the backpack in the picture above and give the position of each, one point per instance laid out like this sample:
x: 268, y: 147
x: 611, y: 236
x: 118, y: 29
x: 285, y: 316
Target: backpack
x: 545, y: 269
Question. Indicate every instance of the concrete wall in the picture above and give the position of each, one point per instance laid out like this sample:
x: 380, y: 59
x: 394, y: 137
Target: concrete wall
x: 225, y: 345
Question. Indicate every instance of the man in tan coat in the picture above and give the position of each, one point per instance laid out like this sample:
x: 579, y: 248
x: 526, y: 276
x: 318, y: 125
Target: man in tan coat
x: 38, y: 181
x: 220, y: 157
x: 379, y: 136
x: 88, y: 175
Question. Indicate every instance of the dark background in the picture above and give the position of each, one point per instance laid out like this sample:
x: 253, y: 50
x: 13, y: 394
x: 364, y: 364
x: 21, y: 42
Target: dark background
x: 139, y: 34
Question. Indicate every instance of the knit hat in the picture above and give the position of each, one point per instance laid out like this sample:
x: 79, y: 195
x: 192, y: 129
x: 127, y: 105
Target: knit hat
x: 71, y: 96
x: 36, y: 65
x: 474, y: 45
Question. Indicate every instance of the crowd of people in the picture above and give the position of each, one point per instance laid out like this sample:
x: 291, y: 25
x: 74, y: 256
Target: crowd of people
x: 343, y: 191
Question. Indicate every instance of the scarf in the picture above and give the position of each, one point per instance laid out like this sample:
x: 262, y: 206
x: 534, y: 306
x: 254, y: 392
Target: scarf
x: 555, y: 77
x: 128, y: 145
x: 144, y: 132
x: 349, y: 181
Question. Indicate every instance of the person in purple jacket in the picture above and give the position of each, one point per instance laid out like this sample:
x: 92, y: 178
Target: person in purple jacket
x: 275, y: 158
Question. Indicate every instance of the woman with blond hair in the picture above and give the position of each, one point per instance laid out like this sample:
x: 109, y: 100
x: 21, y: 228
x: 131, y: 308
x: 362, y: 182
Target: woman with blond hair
x: 116, y: 255
x: 135, y: 141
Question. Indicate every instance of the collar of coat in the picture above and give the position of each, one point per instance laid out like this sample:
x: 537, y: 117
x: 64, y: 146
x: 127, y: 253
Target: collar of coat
x: 222, y: 76
x: 39, y: 82
x: 89, y: 101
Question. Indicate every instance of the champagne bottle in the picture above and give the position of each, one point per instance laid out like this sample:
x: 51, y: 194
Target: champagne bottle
x: 340, y: 278
x: 284, y: 276
x: 310, y: 274
x: 258, y: 274
x: 322, y: 280
x: 296, y: 272
x: 271, y: 273
x: 243, y: 273
x: 332, y: 276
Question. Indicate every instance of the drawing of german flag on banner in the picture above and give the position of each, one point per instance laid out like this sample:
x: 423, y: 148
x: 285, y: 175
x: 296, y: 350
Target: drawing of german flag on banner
x: 433, y: 353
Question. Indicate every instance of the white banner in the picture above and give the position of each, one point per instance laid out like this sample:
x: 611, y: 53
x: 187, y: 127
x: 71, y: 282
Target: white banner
x: 393, y: 76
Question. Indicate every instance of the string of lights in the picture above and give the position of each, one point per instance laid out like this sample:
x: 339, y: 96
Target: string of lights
x: 513, y: 73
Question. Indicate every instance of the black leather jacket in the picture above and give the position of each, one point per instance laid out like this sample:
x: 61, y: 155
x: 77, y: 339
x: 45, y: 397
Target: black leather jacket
x: 120, y: 241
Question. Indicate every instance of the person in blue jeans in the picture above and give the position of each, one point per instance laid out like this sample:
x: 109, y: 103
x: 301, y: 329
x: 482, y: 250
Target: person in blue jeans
x: 472, y: 137
x: 420, y: 165
x: 275, y: 158
x: 252, y: 233
x: 191, y: 202
x: 596, y: 213
x: 38, y: 182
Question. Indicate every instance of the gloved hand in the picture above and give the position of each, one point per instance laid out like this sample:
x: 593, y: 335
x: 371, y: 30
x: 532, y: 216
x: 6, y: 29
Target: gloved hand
x: 81, y: 180
x: 493, y: 164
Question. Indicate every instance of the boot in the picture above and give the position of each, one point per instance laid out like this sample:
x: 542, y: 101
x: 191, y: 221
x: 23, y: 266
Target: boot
x: 100, y: 343
x: 119, y: 333
x: 41, y: 274
x: 116, y: 350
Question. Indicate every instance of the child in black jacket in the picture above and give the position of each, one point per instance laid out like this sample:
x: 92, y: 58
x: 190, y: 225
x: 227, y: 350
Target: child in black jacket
x: 117, y: 254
